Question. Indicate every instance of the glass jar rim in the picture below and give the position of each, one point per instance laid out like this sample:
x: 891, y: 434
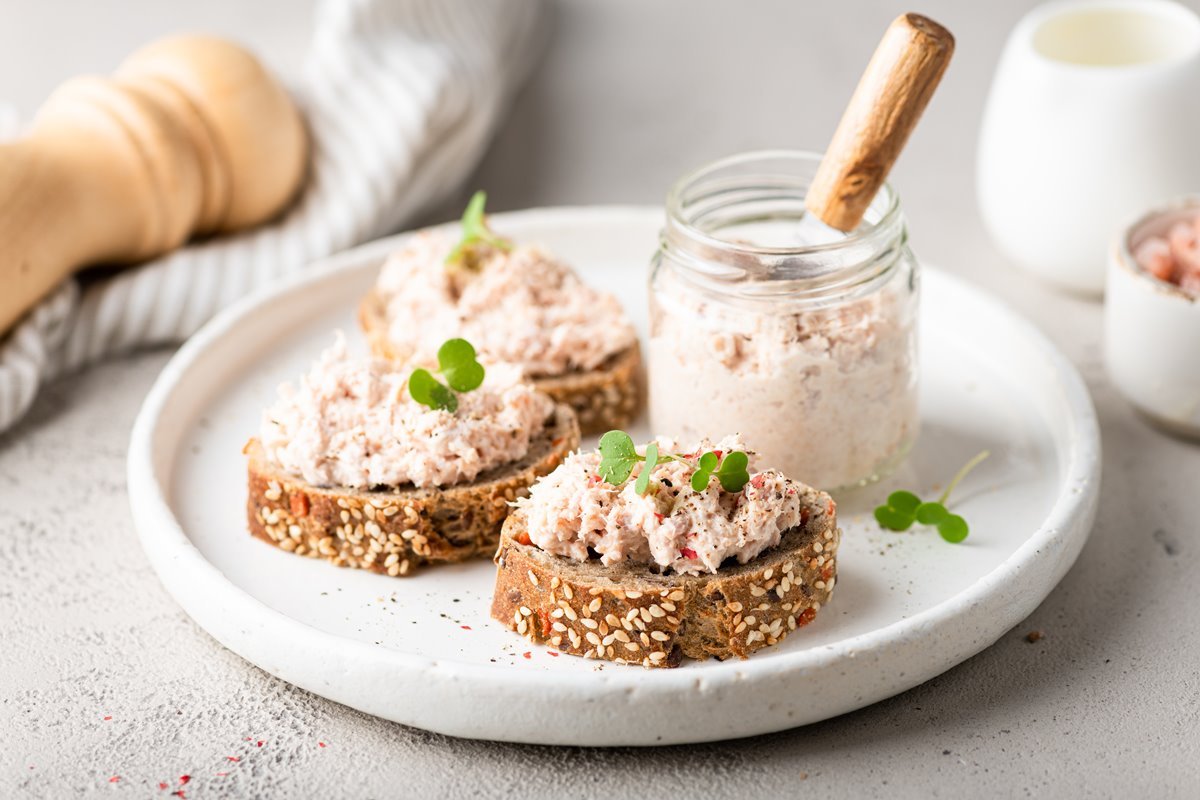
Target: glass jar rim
x: 889, y: 209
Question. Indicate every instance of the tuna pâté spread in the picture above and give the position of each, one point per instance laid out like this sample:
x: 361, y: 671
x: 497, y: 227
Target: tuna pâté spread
x: 573, y: 510
x: 351, y: 422
x: 521, y: 306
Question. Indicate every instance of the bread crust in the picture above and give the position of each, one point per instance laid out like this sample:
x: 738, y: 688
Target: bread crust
x: 629, y: 614
x: 603, y: 398
x: 395, y: 531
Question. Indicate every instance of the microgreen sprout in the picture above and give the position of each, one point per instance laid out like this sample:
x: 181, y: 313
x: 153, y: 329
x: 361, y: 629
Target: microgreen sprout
x: 457, y: 364
x: 730, y: 471
x: 618, y: 456
x: 474, y: 233
x: 903, y: 508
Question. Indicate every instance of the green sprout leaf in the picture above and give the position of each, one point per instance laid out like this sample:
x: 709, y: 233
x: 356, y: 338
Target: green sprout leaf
x: 733, y: 474
x: 892, y: 519
x: 931, y: 513
x: 617, y: 457
x: 704, y: 470
x: 899, y: 512
x: 904, y: 502
x: 429, y: 391
x: 456, y: 360
x: 474, y: 232
x: 903, y: 508
x: 643, y: 481
x: 953, y: 528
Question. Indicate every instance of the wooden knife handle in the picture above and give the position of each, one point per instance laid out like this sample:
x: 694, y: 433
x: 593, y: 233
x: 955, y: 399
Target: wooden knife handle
x: 900, y: 78
x: 190, y: 136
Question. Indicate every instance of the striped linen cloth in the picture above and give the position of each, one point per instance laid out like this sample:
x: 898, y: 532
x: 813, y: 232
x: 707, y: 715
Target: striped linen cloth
x: 401, y: 97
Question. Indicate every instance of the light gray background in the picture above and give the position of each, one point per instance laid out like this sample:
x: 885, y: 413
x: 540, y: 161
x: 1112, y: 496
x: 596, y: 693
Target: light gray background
x: 630, y: 94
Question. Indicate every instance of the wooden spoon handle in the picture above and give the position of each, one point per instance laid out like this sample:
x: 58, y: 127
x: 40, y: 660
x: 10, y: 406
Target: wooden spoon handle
x: 892, y: 93
x: 191, y: 136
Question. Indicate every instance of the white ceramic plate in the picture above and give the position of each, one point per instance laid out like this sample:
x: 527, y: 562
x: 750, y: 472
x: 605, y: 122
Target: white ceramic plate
x: 423, y: 650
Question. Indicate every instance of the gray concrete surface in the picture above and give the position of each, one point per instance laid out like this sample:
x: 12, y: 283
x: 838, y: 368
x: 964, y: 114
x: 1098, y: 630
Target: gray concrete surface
x: 630, y: 94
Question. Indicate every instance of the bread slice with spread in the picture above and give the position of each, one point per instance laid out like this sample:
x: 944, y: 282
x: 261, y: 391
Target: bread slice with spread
x: 517, y: 304
x: 670, y: 566
x: 352, y: 467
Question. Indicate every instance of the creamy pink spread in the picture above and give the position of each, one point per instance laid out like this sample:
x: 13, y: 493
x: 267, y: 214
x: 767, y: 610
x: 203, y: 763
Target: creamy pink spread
x: 830, y: 393
x: 1174, y: 257
x: 351, y: 422
x: 521, y: 306
x: 572, y: 510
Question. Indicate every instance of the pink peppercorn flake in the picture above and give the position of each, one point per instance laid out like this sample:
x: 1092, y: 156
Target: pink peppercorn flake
x: 234, y: 759
x: 114, y: 779
x: 260, y: 742
x: 688, y: 552
x: 106, y: 719
x: 320, y: 744
x: 527, y: 654
x: 162, y: 785
x: 552, y: 653
x: 183, y: 779
x: 465, y: 627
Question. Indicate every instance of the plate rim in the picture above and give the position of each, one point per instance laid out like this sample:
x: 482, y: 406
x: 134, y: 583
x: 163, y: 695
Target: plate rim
x: 159, y: 531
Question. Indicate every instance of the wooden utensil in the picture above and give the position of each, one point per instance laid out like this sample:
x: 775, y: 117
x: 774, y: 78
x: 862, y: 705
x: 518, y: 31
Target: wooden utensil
x: 900, y: 78
x: 190, y: 136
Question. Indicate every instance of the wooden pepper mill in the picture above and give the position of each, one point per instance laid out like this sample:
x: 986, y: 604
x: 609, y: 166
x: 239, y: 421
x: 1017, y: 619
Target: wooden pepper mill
x: 190, y: 136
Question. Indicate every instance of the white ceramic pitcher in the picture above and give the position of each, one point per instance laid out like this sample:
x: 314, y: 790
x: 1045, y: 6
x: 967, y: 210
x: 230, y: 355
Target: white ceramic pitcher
x: 1094, y: 116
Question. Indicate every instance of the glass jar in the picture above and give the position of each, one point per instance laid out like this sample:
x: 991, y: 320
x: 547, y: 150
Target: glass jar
x: 807, y: 350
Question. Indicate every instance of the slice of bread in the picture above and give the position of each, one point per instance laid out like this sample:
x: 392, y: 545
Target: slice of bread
x: 393, y: 531
x: 603, y: 398
x: 630, y: 614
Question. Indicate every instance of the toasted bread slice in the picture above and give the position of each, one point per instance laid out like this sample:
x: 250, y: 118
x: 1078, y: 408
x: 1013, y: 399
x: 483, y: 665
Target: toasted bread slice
x: 393, y: 531
x: 603, y: 398
x: 631, y: 614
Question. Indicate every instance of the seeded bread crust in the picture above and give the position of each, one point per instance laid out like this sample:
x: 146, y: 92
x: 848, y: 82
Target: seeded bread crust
x: 628, y: 614
x: 604, y: 398
x: 394, y: 531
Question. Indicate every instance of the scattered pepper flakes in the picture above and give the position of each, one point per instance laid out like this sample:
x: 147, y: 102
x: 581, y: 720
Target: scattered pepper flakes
x: 320, y: 744
x: 552, y: 653
x: 114, y: 779
x: 222, y: 774
x: 1034, y: 636
x: 527, y: 654
x: 183, y: 779
x: 106, y: 719
x: 261, y: 742
x: 234, y: 759
x: 162, y: 785
x: 688, y: 552
x: 465, y: 627
x: 179, y: 793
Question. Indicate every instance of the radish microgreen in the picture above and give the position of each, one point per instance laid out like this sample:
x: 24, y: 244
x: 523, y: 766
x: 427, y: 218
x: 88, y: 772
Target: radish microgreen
x: 457, y: 364
x: 903, y: 508
x: 730, y: 471
x: 618, y: 456
x: 475, y: 232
